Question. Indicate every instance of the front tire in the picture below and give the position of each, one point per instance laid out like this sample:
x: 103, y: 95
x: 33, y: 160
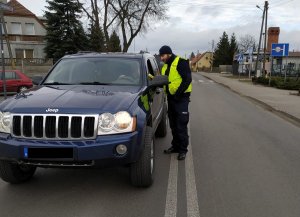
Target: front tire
x: 141, y: 172
x: 15, y: 173
x: 22, y: 89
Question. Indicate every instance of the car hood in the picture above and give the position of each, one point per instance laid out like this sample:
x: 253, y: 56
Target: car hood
x: 92, y: 99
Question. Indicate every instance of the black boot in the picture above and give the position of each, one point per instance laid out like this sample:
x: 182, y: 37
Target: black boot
x: 171, y: 150
x: 181, y: 156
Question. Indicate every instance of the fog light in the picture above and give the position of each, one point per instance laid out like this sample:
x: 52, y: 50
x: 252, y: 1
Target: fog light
x: 121, y: 149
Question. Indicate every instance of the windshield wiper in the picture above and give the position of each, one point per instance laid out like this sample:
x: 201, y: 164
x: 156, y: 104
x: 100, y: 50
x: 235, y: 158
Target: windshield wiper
x: 57, y: 83
x: 94, y: 83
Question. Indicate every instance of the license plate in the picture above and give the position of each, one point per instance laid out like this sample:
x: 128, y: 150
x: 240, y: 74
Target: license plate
x: 48, y: 153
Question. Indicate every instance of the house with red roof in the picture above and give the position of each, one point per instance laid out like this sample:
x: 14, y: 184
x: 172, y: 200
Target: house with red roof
x: 26, y: 32
x: 202, y: 62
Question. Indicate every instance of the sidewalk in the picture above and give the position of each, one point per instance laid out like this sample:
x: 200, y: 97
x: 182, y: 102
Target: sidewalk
x: 279, y: 100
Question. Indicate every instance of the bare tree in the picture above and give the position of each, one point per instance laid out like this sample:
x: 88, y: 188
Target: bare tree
x: 100, y: 10
x: 246, y: 42
x: 131, y: 16
x: 134, y: 16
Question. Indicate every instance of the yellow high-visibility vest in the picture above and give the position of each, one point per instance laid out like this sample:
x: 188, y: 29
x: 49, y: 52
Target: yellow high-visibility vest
x: 174, y: 77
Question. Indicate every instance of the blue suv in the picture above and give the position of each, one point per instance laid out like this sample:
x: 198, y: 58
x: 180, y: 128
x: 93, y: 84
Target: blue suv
x: 90, y: 110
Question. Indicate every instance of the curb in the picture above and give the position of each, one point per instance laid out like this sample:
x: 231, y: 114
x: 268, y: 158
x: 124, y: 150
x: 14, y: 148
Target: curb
x: 284, y: 115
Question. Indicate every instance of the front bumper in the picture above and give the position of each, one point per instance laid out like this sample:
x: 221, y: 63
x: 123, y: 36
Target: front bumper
x: 98, y: 152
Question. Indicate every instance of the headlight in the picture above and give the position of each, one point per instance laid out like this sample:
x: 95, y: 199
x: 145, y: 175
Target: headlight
x: 5, y: 122
x: 121, y: 122
x: 106, y: 122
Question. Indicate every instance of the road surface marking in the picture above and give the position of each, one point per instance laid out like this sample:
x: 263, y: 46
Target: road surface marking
x: 211, y: 81
x: 171, y: 200
x: 201, y: 81
x: 190, y: 181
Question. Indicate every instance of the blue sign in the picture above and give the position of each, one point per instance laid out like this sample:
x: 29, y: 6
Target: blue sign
x: 280, y: 50
x: 240, y: 58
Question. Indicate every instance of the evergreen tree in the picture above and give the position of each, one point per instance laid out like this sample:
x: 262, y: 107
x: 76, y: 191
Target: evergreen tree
x: 96, y: 38
x: 254, y: 47
x: 222, y: 52
x: 233, y: 48
x: 114, y: 44
x: 65, y: 33
x: 192, y: 56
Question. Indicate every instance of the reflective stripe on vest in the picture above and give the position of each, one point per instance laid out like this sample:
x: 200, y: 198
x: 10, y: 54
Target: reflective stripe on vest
x: 174, y: 77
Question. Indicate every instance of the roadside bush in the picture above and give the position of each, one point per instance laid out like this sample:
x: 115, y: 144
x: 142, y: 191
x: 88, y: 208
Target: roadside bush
x: 278, y: 82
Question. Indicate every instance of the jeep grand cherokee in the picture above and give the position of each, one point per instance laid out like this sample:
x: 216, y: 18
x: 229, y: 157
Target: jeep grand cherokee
x: 90, y: 110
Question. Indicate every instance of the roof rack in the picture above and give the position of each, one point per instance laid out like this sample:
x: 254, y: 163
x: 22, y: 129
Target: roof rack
x: 85, y: 52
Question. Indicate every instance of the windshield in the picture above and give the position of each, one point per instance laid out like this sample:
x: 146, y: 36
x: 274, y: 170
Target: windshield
x: 96, y: 71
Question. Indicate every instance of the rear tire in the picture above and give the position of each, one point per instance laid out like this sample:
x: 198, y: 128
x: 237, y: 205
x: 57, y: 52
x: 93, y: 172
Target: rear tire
x: 15, y: 173
x: 141, y: 172
x: 162, y: 128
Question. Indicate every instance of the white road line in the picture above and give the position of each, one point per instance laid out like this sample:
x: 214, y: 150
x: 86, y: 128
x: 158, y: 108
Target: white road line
x: 211, y: 81
x: 201, y: 81
x: 191, y: 189
x: 171, y: 200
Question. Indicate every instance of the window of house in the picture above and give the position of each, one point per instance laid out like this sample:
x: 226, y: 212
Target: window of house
x: 16, y: 28
x: 3, y: 28
x: 29, y: 54
x: 24, y: 53
x: 29, y: 29
x: 19, y: 54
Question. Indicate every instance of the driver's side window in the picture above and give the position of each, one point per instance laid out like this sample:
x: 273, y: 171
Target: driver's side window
x: 150, y: 73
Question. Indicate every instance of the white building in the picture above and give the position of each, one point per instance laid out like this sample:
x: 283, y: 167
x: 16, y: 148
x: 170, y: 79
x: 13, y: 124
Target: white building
x: 26, y: 32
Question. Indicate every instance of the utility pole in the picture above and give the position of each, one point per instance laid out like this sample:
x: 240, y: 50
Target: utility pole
x: 212, y: 55
x: 260, y: 36
x: 2, y: 8
x: 266, y: 29
x: 7, y: 41
x: 2, y: 57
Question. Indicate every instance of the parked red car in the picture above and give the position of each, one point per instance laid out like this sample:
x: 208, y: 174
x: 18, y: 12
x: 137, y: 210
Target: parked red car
x: 16, y: 81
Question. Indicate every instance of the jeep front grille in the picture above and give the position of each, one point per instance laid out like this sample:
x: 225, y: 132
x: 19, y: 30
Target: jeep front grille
x: 54, y: 126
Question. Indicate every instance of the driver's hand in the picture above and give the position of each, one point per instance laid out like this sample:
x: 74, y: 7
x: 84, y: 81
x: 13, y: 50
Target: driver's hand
x: 150, y: 76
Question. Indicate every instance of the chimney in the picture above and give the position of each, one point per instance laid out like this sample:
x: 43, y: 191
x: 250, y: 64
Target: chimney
x: 273, y: 37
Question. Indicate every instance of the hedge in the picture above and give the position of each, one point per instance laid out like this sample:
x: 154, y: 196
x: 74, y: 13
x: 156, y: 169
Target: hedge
x: 278, y: 82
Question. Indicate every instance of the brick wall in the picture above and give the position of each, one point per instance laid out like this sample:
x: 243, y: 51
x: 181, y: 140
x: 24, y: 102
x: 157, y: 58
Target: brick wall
x: 273, y: 37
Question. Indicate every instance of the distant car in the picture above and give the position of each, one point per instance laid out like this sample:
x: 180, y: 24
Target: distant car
x: 16, y: 81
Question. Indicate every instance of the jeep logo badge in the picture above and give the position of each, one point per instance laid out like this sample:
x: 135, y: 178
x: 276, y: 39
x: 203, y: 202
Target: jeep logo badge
x: 52, y: 110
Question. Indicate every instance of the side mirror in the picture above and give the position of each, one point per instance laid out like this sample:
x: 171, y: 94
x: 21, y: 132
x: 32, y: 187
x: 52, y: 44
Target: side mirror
x: 159, y: 81
x: 36, y: 80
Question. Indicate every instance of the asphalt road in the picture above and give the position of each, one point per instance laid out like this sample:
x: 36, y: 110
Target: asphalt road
x: 244, y: 162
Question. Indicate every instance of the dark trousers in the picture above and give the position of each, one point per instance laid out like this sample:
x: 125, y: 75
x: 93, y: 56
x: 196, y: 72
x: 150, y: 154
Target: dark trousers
x: 178, y: 113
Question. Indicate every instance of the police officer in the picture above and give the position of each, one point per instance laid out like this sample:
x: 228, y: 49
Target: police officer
x: 178, y: 92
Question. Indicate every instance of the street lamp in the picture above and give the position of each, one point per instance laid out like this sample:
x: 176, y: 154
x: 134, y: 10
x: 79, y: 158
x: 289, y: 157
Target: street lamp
x: 259, y: 7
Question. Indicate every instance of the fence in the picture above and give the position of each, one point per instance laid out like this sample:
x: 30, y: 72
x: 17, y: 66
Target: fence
x: 290, y: 69
x: 31, y: 61
x: 31, y: 67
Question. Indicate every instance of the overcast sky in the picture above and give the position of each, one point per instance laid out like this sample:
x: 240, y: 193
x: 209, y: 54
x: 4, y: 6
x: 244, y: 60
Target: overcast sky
x: 193, y: 24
